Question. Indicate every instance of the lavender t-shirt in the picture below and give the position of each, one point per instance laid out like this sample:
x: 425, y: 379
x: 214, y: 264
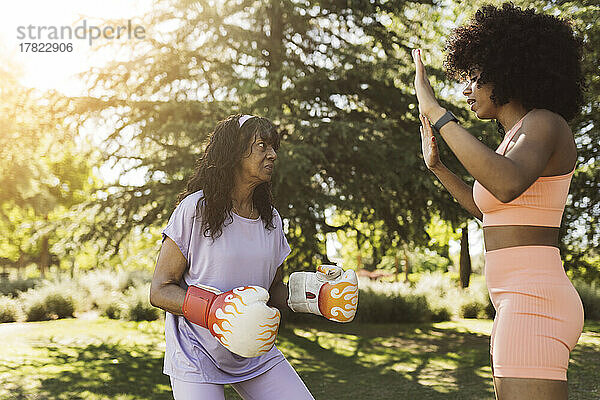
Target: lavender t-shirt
x: 245, y: 254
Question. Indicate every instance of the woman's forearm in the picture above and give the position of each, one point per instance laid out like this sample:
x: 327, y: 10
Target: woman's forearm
x: 462, y: 192
x: 167, y: 296
x: 279, y: 296
x: 500, y: 175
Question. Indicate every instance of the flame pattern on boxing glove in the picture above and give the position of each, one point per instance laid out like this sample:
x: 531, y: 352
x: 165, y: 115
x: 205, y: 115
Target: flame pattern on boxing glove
x: 330, y: 292
x: 239, y: 319
x: 249, y: 301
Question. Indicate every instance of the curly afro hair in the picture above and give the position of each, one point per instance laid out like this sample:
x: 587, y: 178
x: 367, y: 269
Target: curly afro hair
x: 528, y: 57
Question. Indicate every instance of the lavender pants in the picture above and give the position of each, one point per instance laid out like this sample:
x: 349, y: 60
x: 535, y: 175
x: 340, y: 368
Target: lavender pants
x: 280, y: 382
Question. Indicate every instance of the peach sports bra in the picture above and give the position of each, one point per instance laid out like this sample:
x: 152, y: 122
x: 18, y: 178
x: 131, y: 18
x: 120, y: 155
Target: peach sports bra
x: 542, y: 204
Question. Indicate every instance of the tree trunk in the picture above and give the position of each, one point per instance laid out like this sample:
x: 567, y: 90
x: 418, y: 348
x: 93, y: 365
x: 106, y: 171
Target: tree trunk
x: 465, y: 258
x: 21, y: 264
x: 44, y: 256
x: 407, y: 267
x: 375, y: 260
x: 275, y: 57
x: 72, y: 266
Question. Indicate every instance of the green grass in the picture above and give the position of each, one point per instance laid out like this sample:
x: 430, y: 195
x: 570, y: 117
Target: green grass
x: 108, y: 359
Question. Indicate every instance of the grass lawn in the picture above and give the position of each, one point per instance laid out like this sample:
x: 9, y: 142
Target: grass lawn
x: 107, y: 359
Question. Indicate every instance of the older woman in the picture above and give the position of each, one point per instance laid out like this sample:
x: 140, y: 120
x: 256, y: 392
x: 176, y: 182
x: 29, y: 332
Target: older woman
x: 225, y: 236
x: 223, y: 246
x: 523, y: 70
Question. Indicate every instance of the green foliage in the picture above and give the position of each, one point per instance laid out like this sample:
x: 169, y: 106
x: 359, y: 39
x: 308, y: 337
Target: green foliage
x: 105, y: 289
x: 115, y: 294
x: 369, y: 243
x: 396, y: 303
x: 138, y: 307
x: 43, y: 174
x: 113, y: 309
x: 440, y: 313
x: 14, y: 287
x: 10, y: 309
x: 52, y: 301
x: 377, y: 307
x: 472, y: 309
x: 112, y: 280
x: 590, y: 297
x: 34, y: 306
x: 59, y: 306
x: 434, y: 296
x: 335, y: 77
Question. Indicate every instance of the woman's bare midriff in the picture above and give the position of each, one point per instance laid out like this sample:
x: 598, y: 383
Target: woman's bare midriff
x: 500, y: 237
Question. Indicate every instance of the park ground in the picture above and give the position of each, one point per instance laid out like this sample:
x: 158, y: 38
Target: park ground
x: 99, y: 358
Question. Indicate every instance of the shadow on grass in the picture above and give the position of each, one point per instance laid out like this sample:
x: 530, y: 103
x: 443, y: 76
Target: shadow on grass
x: 392, y: 361
x: 352, y: 361
x: 381, y: 362
x: 583, y: 375
x: 94, y: 371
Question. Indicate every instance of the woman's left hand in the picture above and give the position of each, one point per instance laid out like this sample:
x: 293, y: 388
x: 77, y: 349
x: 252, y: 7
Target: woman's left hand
x: 428, y: 104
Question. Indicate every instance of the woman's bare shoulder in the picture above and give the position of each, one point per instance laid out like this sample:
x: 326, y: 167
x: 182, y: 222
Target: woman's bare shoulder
x: 546, y: 121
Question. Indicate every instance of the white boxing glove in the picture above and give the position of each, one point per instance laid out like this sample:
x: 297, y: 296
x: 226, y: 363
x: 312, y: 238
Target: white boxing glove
x: 239, y: 318
x: 330, y: 292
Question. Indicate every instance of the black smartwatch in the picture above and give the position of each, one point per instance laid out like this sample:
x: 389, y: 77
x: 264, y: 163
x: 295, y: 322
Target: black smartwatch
x: 444, y: 120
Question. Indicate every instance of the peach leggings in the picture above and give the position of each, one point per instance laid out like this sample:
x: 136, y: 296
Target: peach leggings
x: 539, y: 315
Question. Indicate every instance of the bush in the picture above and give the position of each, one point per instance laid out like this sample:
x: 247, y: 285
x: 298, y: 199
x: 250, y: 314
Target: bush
x: 101, y: 285
x: 35, y: 309
x: 472, y: 309
x: 13, y: 288
x: 137, y: 304
x: 112, y: 305
x: 10, y: 309
x: 435, y: 297
x: 59, y: 305
x: 52, y: 301
x: 440, y: 314
x: 381, y: 308
x: 116, y: 294
x: 395, y: 303
x: 113, y: 311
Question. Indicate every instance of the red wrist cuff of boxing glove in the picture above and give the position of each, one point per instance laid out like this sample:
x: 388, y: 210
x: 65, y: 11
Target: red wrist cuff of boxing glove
x: 197, y: 305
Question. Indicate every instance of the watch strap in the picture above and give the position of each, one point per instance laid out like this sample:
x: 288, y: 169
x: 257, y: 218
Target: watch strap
x: 444, y: 119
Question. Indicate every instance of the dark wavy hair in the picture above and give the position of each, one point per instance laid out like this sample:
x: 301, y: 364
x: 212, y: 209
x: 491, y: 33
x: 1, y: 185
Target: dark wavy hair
x: 529, y: 57
x: 214, y: 173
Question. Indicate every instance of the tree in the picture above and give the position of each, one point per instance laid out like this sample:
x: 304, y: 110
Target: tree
x: 581, y: 220
x: 335, y: 78
x: 41, y: 173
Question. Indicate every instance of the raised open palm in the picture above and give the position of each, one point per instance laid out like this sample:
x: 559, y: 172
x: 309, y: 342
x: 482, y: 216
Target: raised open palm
x: 428, y: 105
x: 431, y: 156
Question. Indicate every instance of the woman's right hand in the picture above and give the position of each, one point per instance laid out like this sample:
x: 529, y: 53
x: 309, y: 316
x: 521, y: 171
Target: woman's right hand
x: 428, y: 145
